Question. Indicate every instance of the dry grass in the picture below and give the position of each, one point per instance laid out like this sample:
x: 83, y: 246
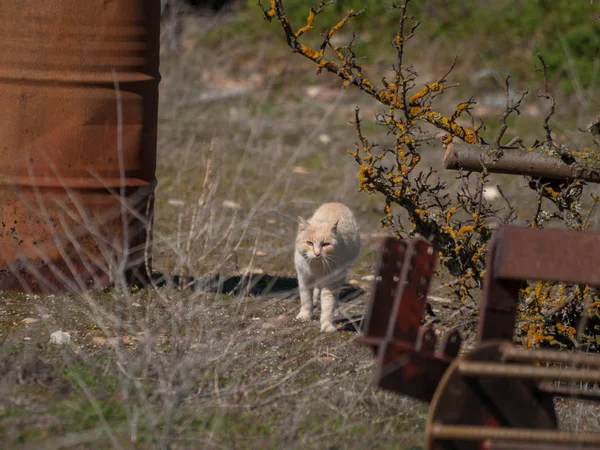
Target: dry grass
x: 249, y: 139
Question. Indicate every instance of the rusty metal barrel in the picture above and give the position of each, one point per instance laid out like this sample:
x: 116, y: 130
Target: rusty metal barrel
x: 78, y: 114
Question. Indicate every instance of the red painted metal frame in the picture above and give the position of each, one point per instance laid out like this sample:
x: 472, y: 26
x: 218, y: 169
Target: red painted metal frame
x: 405, y: 350
x: 496, y: 387
x: 517, y: 254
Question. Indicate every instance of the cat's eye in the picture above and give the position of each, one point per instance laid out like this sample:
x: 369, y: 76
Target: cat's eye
x: 309, y: 243
x: 325, y: 244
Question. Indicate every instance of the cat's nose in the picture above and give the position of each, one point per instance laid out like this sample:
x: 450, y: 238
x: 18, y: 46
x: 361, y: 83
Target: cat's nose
x: 317, y: 253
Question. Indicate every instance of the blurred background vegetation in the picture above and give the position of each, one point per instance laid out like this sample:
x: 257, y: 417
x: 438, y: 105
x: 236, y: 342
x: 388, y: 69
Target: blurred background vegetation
x: 505, y: 33
x: 493, y: 40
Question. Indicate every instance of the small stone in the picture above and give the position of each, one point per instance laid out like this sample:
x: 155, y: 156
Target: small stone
x: 491, y: 193
x: 252, y: 273
x: 231, y: 204
x: 326, y: 358
x: 324, y: 138
x: 27, y: 338
x: 128, y: 340
x: 368, y: 278
x: 433, y: 298
x: 313, y: 91
x: 260, y: 253
x: 60, y: 338
x: 300, y: 170
x: 176, y: 202
x: 30, y: 320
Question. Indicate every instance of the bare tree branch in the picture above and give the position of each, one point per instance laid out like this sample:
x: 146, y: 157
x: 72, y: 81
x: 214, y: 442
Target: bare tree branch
x: 547, y: 95
x: 519, y: 162
x: 509, y: 109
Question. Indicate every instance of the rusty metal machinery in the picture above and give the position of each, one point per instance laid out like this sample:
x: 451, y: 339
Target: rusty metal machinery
x: 78, y: 120
x: 498, y: 395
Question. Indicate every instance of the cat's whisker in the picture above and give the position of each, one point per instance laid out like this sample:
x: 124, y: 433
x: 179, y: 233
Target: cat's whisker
x: 328, y: 263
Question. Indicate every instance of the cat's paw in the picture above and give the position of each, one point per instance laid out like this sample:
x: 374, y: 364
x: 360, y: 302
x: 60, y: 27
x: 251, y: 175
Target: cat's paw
x: 328, y: 327
x: 304, y: 315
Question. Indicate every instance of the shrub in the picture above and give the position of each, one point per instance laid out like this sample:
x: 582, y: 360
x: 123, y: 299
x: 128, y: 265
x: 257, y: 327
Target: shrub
x: 456, y: 224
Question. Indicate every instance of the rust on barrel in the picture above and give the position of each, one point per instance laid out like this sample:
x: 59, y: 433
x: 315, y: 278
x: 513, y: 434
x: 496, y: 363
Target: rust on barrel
x: 78, y: 113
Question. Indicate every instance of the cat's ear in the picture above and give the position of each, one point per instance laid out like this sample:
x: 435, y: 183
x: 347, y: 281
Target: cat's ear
x: 334, y: 227
x: 302, y: 224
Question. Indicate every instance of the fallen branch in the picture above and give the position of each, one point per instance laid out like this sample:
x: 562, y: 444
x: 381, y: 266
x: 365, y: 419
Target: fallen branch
x: 533, y: 163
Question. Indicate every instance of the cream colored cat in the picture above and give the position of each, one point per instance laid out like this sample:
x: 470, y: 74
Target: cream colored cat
x: 326, y: 246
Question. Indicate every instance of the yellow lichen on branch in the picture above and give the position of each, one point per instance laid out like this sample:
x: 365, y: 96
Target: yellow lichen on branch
x: 462, y: 107
x: 427, y: 89
x: 467, y: 229
x: 451, y: 127
x: 309, y: 23
x: 272, y: 11
x: 546, y: 316
x: 351, y: 14
x: 310, y: 53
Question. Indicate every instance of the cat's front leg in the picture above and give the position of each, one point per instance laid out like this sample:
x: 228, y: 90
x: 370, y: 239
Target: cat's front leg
x: 316, y: 296
x: 306, y: 300
x: 328, y: 306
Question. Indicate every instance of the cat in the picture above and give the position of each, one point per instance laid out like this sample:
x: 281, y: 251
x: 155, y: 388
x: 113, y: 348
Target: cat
x: 326, y: 246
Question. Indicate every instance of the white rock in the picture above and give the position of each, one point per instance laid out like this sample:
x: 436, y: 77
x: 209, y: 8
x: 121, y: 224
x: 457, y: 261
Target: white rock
x: 60, y: 338
x: 313, y: 91
x: 231, y: 204
x: 300, y: 170
x: 324, y: 138
x: 491, y: 193
x: 30, y: 320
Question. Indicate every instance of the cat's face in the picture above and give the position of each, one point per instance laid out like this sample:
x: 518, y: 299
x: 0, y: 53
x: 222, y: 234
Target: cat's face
x: 316, y: 243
